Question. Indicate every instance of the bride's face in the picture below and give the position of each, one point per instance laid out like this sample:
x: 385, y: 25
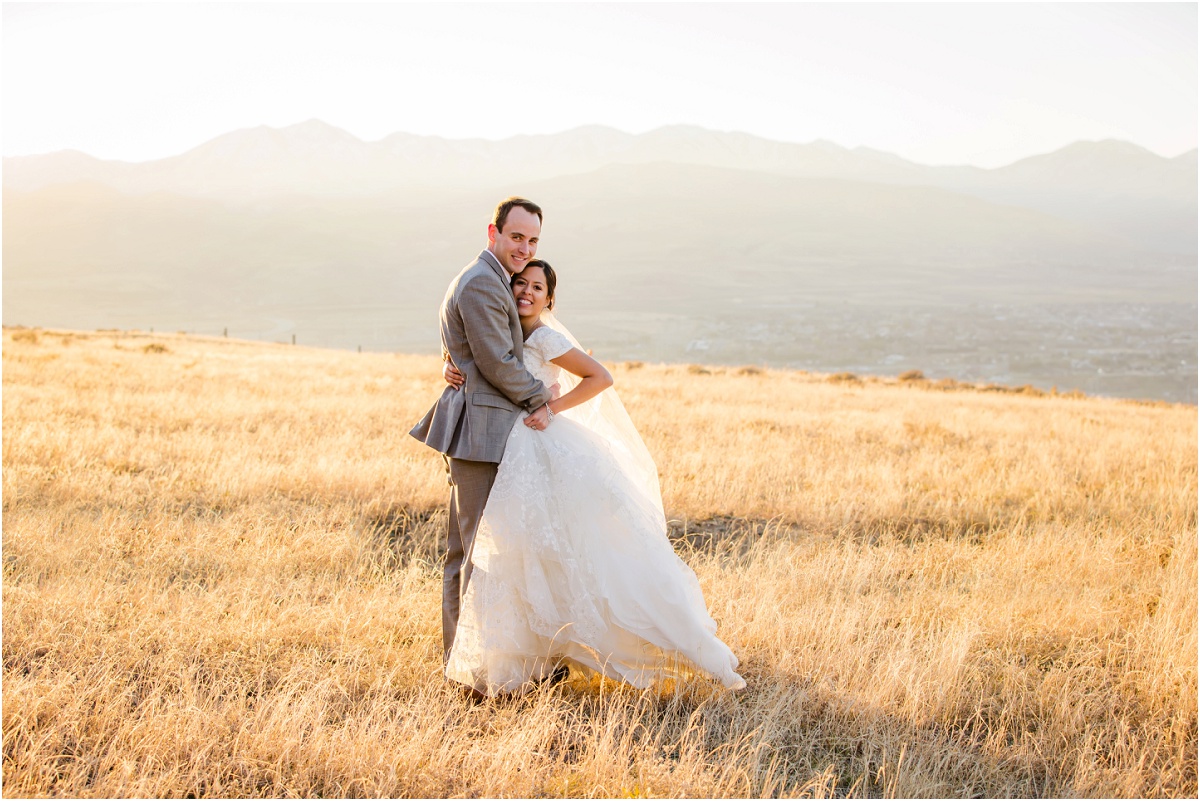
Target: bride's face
x: 529, y: 291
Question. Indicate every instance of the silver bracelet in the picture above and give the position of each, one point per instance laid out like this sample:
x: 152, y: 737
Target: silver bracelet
x: 549, y: 413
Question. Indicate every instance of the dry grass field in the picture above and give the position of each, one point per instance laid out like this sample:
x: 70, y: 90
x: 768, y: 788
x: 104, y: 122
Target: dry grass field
x: 221, y: 579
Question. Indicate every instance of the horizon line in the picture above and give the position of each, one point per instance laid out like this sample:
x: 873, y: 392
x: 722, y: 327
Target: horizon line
x: 816, y: 141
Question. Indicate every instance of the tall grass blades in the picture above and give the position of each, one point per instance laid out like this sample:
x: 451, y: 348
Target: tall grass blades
x: 221, y: 578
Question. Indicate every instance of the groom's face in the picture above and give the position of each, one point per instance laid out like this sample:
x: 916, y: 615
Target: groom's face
x: 517, y: 243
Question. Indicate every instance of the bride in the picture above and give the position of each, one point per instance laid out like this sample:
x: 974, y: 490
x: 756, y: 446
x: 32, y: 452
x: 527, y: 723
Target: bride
x: 571, y: 564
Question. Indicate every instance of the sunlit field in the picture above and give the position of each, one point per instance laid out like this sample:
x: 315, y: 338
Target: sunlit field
x: 221, y: 578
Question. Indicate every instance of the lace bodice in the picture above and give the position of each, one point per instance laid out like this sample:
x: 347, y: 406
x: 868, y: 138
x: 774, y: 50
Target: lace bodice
x: 543, y: 345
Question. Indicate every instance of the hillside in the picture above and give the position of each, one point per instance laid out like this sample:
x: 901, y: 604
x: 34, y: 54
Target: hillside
x: 220, y: 579
x: 697, y: 230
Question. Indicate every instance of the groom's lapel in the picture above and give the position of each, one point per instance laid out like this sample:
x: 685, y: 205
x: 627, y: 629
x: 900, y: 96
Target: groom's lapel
x: 494, y: 263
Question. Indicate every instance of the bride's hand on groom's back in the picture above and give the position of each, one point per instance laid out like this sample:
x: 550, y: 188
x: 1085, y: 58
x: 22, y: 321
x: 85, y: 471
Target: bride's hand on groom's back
x: 451, y: 375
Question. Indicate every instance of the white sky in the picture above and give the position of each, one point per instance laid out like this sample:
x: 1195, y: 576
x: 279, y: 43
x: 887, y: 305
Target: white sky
x: 963, y: 83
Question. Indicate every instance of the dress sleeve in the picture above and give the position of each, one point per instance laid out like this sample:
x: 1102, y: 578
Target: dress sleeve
x: 552, y: 344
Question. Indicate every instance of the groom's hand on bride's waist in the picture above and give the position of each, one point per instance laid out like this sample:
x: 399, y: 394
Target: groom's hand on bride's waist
x: 540, y: 419
x: 554, y: 390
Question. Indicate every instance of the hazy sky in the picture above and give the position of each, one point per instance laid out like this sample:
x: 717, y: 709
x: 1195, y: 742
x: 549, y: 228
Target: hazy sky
x: 961, y: 83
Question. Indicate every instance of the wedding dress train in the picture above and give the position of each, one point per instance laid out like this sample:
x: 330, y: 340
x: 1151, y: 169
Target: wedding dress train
x: 571, y: 561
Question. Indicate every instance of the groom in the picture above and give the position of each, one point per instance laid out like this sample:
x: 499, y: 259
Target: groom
x: 481, y: 334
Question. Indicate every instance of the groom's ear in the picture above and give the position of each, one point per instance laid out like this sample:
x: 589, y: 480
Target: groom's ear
x: 492, y: 231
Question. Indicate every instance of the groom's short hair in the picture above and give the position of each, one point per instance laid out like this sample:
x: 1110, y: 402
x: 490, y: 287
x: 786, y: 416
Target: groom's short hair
x: 508, y: 204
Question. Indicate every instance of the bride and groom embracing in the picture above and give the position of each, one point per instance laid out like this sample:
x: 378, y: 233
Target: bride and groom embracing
x: 557, y: 551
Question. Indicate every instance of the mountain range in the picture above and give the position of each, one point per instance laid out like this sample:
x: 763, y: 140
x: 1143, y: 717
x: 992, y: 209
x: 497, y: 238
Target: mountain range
x: 1112, y: 186
x: 665, y: 242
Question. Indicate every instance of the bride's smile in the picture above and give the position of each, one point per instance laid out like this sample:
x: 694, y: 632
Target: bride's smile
x: 530, y: 290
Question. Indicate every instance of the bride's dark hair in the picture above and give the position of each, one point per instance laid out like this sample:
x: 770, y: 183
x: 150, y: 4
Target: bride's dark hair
x: 551, y: 279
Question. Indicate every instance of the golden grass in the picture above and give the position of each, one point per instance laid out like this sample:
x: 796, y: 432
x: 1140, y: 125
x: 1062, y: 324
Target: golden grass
x: 221, y: 579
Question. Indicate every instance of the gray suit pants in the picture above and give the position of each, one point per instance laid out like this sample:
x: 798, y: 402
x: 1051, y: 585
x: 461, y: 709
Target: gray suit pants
x: 471, y: 483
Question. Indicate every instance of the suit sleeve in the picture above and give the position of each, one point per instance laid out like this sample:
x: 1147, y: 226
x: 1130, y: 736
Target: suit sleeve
x: 485, y: 321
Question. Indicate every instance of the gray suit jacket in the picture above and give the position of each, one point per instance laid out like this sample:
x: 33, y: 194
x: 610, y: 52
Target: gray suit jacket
x: 482, y: 333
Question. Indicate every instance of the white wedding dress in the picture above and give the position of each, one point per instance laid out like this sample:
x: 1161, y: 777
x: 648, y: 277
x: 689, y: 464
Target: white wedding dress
x: 571, y: 561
